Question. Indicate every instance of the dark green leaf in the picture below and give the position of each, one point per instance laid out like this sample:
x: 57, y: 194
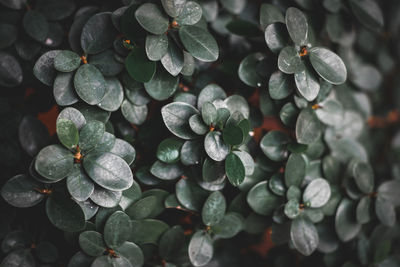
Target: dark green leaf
x: 156, y: 46
x: 296, y: 23
x: 368, y: 13
x: 308, y: 127
x: 114, y: 95
x: 142, y: 208
x: 63, y: 89
x: 328, y: 65
x: 117, y: 229
x: 292, y: 209
x: 235, y: 169
x: 132, y: 253
x: 247, y: 70
x: 200, y: 249
x: 67, y: 133
x: 304, y: 235
x: 274, y: 145
x: 147, y: 231
x: 44, y: 68
x: 170, y: 242
x: 54, y: 162
x: 363, y: 176
x: 176, y: 117
x: 74, y: 115
x: 190, y: 15
x: 243, y: 28
x: 385, y: 211
x: 92, y: 243
x: 124, y: 150
x: 215, y: 146
x: 165, y: 171
x: 107, y: 261
x: 169, y: 149
x: 107, y: 63
x: 79, y: 185
x: 8, y: 34
x: 67, y: 61
x: 213, y: 209
x: 190, y: 195
x: 276, y: 37
x: 173, y: 7
x: 106, y: 198
x: 138, y: 66
x: 189, y: 65
x: 280, y: 85
x: 36, y: 25
x: 289, y: 60
x: 363, y: 210
x: 234, y: 6
x: 261, y: 200
x: 133, y: 113
x: 317, y: 193
x: 230, y: 225
x: 295, y: 170
x: 197, y: 125
x: 191, y: 152
x: 233, y: 135
x: 345, y: 222
x: 173, y: 59
x: 390, y: 191
x: 210, y: 93
x: 209, y: 113
x: 270, y: 14
x: 151, y: 18
x: 307, y: 83
x: 19, y: 257
x: 162, y: 86
x: 20, y: 191
x: 90, y: 84
x: 91, y: 135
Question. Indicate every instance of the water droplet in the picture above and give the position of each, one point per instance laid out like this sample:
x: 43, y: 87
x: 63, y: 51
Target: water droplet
x: 258, y: 84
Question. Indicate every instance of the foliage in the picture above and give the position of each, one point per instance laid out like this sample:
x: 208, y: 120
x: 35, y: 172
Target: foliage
x: 187, y: 132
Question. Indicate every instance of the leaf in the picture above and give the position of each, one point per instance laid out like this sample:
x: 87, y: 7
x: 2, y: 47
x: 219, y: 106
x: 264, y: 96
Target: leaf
x: 363, y: 210
x: 237, y: 104
x: 385, y: 211
x: 14, y: 4
x: 173, y: 7
x: 138, y: 66
x: 108, y: 170
x: 389, y: 191
x: 169, y: 149
x: 280, y: 85
x: 274, y: 145
x: 67, y: 61
x: 74, y: 115
x: 307, y: 83
x: 93, y: 40
x: 156, y: 46
x: 46, y: 252
x: 363, y: 176
x: 8, y: 33
x: 261, y: 200
x: 295, y: 170
x: 63, y: 89
x: 247, y: 161
x: 124, y: 150
x: 173, y: 59
x: 233, y: 135
x: 117, y: 229
x: 230, y: 225
x: 171, y: 242
x: 162, y: 86
x: 107, y: 261
x: 106, y: 198
x: 132, y: 253
x: 79, y: 185
x: 368, y: 13
x: 152, y: 19
x: 297, y: 26
x: 209, y: 113
x: 304, y: 235
x: 91, y: 242
x: 213, y: 209
x: 270, y: 14
x: 199, y: 43
x: 32, y: 134
x: 91, y: 135
x: 276, y: 36
x: 20, y: 191
x: 197, y: 125
x: 289, y: 60
x: 44, y: 68
x: 160, y: 196
x: 328, y: 65
x: 176, y: 117
x: 189, y: 64
x: 292, y: 209
x: 247, y: 70
x: 80, y: 259
x: 90, y: 84
x: 235, y: 169
x: 190, y: 195
x: 147, y: 231
x: 133, y: 113
x: 35, y: 25
x: 165, y: 171
x: 67, y: 133
x: 308, y: 127
x: 210, y: 93
x: 64, y: 213
x: 19, y: 257
x: 190, y: 15
x: 142, y: 208
x: 317, y: 193
x: 243, y: 28
x: 330, y: 113
x: 200, y: 249
x: 54, y: 162
x: 190, y: 153
x: 215, y: 147
x: 346, y: 226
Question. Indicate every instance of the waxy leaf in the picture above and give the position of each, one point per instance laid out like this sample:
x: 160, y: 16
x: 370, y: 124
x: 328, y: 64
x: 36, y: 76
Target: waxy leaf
x: 190, y: 195
x: 173, y: 7
x: 170, y: 242
x: 308, y: 127
x: 169, y: 149
x: 113, y: 97
x: 345, y: 222
x: 63, y: 89
x: 156, y: 46
x: 280, y: 85
x: 191, y: 14
x: 152, y: 19
x: 213, y: 209
x: 165, y: 171
x: 91, y: 242
x: 133, y: 113
x: 67, y: 61
x: 368, y: 13
x: 44, y: 68
x: 304, y: 235
x: 276, y: 36
x: 307, y: 83
x: 296, y: 23
x: 67, y: 133
x: 363, y: 176
x: 261, y: 200
x: 138, y: 66
x: 36, y: 25
x: 54, y: 162
x: 106, y: 198
x: 117, y: 229
x: 289, y: 60
x: 328, y: 65
x: 270, y: 14
x: 90, y: 84
x: 235, y: 169
x: 317, y: 193
x: 200, y: 249
x: 173, y: 59
x: 215, y: 146
x: 79, y: 184
x: 91, y: 135
x: 274, y: 145
x: 162, y: 86
x: 295, y: 170
x: 176, y: 117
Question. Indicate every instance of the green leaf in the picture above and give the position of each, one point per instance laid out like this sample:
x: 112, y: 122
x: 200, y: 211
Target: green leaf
x: 74, y: 115
x: 199, y: 43
x: 133, y: 113
x: 107, y: 261
x: 277, y: 185
x: 67, y: 61
x: 93, y: 40
x: 171, y: 242
x: 162, y: 86
x: 280, y: 85
x: 79, y: 184
x: 91, y: 242
x: 385, y: 211
x: 369, y: 13
x: 147, y: 231
x: 213, y: 209
x: 189, y: 65
x: 107, y: 62
x: 63, y: 89
x: 165, y: 171
x: 20, y: 191
x: 22, y: 257
x: 114, y: 95
x: 176, y: 117
x: 243, y: 28
x: 160, y: 196
x: 14, y: 4
x: 289, y: 60
x: 156, y: 46
x: 304, y: 235
x: 346, y: 226
x: 363, y: 210
x: 233, y: 135
x: 46, y: 252
x: 213, y: 171
x: 67, y: 133
x: 307, y: 83
x: 124, y: 150
x: 200, y: 249
x: 247, y: 70
x: 190, y: 14
x: 230, y: 225
x: 237, y: 104
x: 55, y: 10
x: 117, y: 229
x: 44, y: 67
x: 276, y: 36
x: 261, y: 200
x: 297, y: 26
x: 130, y: 195
x: 54, y: 162
x: 308, y: 127
x: 190, y: 195
x: 317, y: 193
x: 215, y: 147
x: 106, y: 198
x: 173, y: 7
x: 132, y: 253
x: 288, y: 114
x: 173, y: 59
x: 292, y: 209
x: 270, y: 14
x: 389, y: 191
x: 138, y: 66
x: 35, y: 25
x: 235, y: 169
x: 64, y: 213
x: 108, y: 171
x: 191, y: 152
x: 142, y: 208
x: 209, y: 113
x: 210, y: 93
x: 328, y: 65
x: 90, y: 84
x: 330, y: 113
x: 295, y: 170
x: 169, y: 149
x: 80, y: 259
x: 274, y: 145
x: 197, y: 125
x: 152, y: 19
x: 91, y: 135
x: 363, y: 176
